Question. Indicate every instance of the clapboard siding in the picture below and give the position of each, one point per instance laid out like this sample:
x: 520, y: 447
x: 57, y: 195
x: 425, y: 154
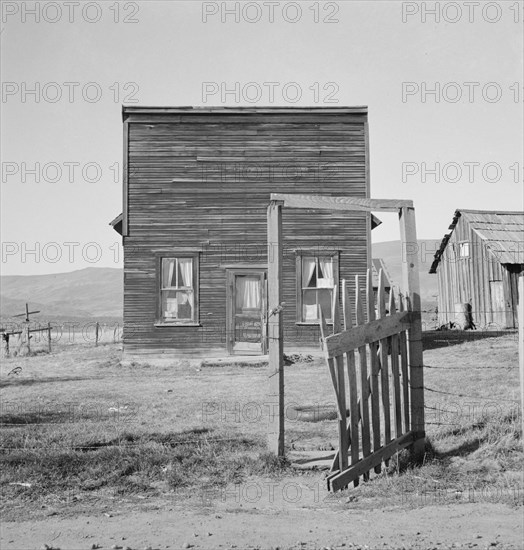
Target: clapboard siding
x: 201, y: 182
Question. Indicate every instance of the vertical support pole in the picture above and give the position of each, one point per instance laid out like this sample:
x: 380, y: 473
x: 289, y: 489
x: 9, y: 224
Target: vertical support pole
x: 521, y: 344
x: 275, y: 329
x: 410, y: 276
x: 49, y: 337
x: 97, y: 328
x: 26, y: 338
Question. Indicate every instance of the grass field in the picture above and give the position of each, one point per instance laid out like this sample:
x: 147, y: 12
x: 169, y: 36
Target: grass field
x: 76, y: 426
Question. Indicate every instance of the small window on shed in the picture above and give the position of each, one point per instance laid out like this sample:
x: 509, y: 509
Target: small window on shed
x: 464, y: 250
x: 178, y: 290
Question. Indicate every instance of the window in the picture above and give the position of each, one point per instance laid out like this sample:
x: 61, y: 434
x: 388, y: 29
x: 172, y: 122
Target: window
x: 464, y: 249
x: 177, y: 290
x: 317, y: 277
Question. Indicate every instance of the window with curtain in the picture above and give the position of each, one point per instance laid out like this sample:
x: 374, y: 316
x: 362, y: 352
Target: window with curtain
x: 177, y: 293
x: 317, y: 285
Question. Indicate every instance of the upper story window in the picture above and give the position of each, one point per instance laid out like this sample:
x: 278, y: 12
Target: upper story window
x: 317, y: 277
x: 178, y: 282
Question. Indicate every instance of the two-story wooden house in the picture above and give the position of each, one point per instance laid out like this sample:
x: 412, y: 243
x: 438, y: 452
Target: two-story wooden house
x: 196, y: 187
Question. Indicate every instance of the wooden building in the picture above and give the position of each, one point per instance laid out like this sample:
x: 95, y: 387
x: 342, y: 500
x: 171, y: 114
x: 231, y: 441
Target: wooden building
x: 194, y: 224
x: 478, y: 265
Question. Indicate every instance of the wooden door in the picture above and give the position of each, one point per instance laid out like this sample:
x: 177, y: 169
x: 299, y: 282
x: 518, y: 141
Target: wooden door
x: 498, y: 304
x: 246, y: 307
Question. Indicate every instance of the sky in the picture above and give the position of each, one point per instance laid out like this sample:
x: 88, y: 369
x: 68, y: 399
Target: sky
x: 443, y: 82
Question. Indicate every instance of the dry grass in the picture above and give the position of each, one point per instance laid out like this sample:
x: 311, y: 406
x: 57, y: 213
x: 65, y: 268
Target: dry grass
x: 78, y: 422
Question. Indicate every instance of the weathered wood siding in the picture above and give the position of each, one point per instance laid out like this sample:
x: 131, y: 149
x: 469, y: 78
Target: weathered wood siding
x: 461, y: 280
x: 201, y: 182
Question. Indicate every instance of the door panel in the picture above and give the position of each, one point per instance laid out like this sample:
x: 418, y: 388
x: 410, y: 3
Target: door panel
x: 246, y: 312
x: 498, y: 305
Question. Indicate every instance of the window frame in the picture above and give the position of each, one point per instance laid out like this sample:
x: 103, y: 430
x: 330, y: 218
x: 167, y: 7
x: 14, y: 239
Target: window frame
x: 171, y: 255
x: 464, y: 245
x: 334, y: 255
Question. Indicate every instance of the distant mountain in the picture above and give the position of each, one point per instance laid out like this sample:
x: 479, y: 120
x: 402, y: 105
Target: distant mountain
x: 390, y: 252
x: 92, y: 292
x: 98, y: 292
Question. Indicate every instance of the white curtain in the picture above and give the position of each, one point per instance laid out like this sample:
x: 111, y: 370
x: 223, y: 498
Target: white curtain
x: 248, y: 293
x: 326, y: 265
x: 186, y: 272
x: 167, y: 273
x: 308, y: 268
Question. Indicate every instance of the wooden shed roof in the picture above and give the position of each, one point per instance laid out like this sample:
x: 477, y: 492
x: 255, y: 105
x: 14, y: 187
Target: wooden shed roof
x: 502, y: 233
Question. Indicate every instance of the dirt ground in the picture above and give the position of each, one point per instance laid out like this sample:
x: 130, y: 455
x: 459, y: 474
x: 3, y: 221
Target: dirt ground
x: 290, y: 511
x: 312, y: 525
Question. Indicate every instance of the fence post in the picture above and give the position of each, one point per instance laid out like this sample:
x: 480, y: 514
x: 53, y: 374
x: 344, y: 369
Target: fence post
x: 521, y: 346
x: 49, y: 337
x: 97, y: 326
x: 275, y: 329
x: 410, y: 276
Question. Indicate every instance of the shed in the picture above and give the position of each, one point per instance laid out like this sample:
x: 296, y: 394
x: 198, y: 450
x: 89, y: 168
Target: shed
x: 478, y: 265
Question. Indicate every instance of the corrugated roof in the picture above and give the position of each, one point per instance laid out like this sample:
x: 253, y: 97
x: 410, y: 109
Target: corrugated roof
x: 502, y: 233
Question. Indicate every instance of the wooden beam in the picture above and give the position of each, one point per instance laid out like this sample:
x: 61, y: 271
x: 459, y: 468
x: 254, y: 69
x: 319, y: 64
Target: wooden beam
x: 360, y: 335
x: 343, y: 479
x: 410, y: 276
x: 275, y: 330
x: 521, y: 343
x: 324, y: 202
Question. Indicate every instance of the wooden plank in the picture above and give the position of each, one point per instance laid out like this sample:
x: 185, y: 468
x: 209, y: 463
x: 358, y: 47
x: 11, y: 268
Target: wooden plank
x: 352, y: 382
x: 125, y: 182
x: 343, y: 436
x: 410, y: 277
x: 275, y: 327
x: 373, y: 351
x: 361, y: 335
x: 384, y: 368
x: 342, y: 479
x: 340, y: 203
x: 397, y: 405
x: 364, y: 381
x: 403, y: 349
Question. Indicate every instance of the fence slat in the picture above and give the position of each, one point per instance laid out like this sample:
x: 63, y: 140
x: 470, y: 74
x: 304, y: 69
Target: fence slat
x: 352, y: 382
x: 343, y: 436
x: 375, y: 368
x: 330, y: 360
x: 364, y: 381
x: 397, y: 405
x: 384, y: 367
x: 403, y: 348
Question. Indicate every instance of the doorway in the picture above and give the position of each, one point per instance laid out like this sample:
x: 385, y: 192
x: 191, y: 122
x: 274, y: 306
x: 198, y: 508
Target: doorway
x: 246, y: 312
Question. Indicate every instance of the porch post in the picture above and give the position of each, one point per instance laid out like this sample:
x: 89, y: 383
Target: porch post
x: 275, y: 330
x: 410, y: 276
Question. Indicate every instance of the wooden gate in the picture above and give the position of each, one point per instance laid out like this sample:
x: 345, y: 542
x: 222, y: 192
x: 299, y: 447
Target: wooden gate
x: 375, y: 356
x: 342, y: 345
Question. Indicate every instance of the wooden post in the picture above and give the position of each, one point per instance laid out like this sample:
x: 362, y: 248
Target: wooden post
x: 275, y: 330
x: 49, y: 337
x: 410, y: 276
x: 5, y: 341
x: 97, y: 326
x: 521, y: 346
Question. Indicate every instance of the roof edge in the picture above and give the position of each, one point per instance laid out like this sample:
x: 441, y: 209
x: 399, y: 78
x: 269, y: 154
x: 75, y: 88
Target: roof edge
x: 269, y: 109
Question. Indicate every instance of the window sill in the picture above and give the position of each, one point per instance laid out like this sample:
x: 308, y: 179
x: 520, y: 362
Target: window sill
x: 161, y: 325
x: 311, y: 323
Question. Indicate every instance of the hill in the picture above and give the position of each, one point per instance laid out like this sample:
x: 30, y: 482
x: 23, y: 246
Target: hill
x: 92, y: 292
x: 390, y: 252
